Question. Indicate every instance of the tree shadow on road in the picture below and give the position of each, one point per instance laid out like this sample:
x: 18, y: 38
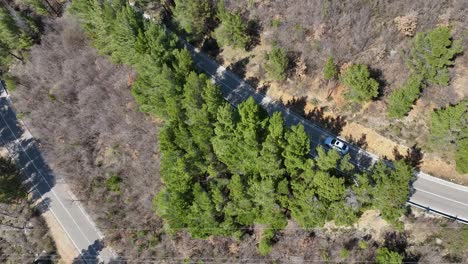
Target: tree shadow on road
x: 240, y: 67
x: 35, y: 173
x: 90, y: 255
x: 211, y: 47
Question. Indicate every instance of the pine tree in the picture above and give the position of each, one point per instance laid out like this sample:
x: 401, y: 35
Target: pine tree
x: 431, y: 54
x: 172, y: 207
x: 329, y: 70
x: 342, y: 215
x: 271, y: 161
x: 305, y: 208
x: 225, y: 143
x: 193, y: 16
x: 250, y: 133
x: 327, y: 160
x: 361, y: 87
x: 13, y: 39
x: 401, y: 100
x: 448, y: 123
x: 277, y: 63
x: 213, y: 99
x: 201, y: 218
x: 124, y: 33
x: 461, y: 154
x: 10, y: 184
x: 328, y: 188
x: 391, y: 189
x: 182, y: 64
x: 296, y: 151
x: 232, y: 31
x: 240, y: 207
x: 198, y: 117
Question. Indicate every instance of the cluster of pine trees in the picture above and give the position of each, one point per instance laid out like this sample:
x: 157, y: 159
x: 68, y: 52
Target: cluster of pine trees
x: 18, y: 32
x: 226, y: 170
x: 449, y: 131
x: 431, y: 54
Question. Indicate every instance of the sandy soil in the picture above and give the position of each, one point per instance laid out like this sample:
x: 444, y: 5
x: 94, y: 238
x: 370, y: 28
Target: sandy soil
x: 65, y: 247
x: 371, y: 222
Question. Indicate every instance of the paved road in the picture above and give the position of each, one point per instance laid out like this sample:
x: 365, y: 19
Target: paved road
x: 48, y: 190
x: 430, y: 193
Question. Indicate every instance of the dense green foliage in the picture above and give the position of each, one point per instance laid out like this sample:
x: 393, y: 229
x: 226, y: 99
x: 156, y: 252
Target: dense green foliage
x: 232, y: 30
x: 277, y: 63
x: 449, y: 129
x: 431, y: 54
x: 224, y: 170
x: 385, y: 256
x: 390, y: 189
x: 361, y: 87
x: 17, y: 35
x: 192, y: 16
x: 10, y: 184
x: 38, y: 6
x: 329, y: 70
x: 401, y: 100
x: 461, y: 154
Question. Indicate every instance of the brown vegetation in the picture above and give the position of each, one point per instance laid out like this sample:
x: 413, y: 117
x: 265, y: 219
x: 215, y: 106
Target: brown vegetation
x: 24, y: 236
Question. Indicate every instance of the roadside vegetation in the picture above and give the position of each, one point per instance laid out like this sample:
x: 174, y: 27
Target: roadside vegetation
x: 392, y: 64
x: 216, y: 162
x: 429, y: 58
x: 113, y: 164
x: 24, y: 234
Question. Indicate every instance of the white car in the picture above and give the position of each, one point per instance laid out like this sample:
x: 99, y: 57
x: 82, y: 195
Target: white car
x: 337, y: 144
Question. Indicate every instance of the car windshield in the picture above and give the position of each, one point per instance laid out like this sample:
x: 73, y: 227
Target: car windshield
x: 333, y: 141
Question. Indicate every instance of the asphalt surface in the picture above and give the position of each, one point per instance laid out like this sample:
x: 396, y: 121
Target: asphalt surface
x: 48, y: 190
x: 430, y: 193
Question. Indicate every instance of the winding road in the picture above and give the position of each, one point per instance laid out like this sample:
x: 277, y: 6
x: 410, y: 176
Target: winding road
x: 429, y: 193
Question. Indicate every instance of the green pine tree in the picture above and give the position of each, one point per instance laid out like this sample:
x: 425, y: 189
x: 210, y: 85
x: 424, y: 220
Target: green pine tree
x: 201, y: 219
x: 329, y: 70
x: 193, y: 16
x: 232, y: 30
x: 296, y: 151
x: 276, y: 63
x: 271, y: 159
x: 431, y: 54
x: 361, y: 87
x: 401, y: 100
x: 391, y: 189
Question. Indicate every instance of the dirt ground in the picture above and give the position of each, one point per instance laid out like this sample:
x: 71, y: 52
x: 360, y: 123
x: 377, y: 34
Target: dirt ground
x: 65, y: 247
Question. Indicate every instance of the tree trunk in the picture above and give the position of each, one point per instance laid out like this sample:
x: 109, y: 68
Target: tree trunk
x: 51, y: 7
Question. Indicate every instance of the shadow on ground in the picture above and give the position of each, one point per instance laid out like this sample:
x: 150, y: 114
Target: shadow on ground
x: 90, y: 255
x: 316, y: 115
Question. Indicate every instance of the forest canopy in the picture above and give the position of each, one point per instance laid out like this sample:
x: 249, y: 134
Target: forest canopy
x: 227, y: 170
